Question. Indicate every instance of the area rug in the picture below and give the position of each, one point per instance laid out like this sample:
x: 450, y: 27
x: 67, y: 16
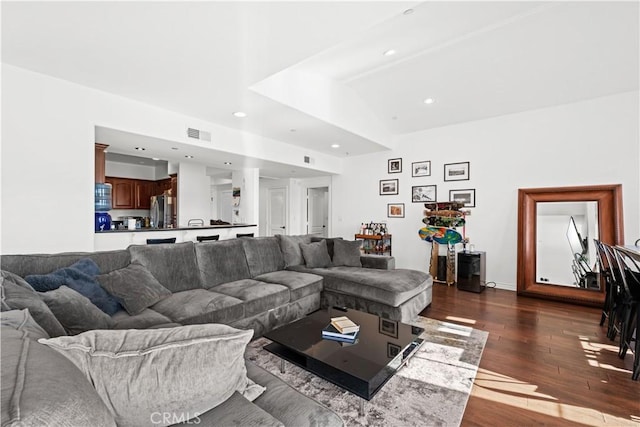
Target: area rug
x: 432, y: 390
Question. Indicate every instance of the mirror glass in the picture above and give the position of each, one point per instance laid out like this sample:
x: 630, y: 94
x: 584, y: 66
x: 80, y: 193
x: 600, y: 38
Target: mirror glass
x: 565, y: 249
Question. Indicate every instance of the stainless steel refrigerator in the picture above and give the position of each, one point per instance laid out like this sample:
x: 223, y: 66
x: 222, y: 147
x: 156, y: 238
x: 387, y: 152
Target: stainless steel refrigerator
x: 160, y: 211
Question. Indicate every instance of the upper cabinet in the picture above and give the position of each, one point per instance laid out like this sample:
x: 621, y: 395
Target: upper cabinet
x: 129, y: 193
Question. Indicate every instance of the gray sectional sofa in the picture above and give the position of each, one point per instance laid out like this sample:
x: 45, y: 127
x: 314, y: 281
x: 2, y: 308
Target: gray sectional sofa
x: 246, y: 283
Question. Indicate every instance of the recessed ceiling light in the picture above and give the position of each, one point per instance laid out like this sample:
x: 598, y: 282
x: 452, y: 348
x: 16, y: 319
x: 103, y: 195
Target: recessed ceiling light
x: 408, y: 12
x: 292, y: 130
x: 389, y: 52
x: 227, y: 163
x: 140, y: 148
x: 428, y: 101
x: 155, y: 158
x: 174, y: 148
x: 335, y: 145
x: 189, y: 156
x: 240, y: 114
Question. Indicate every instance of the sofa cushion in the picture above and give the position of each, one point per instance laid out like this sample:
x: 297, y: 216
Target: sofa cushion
x: 263, y: 255
x: 74, y: 311
x: 178, y: 371
x: 330, y: 242
x: 391, y: 287
x: 290, y: 247
x: 26, y: 264
x: 287, y: 404
x: 347, y: 253
x: 80, y: 277
x: 147, y: 318
x: 236, y: 411
x: 21, y: 320
x: 40, y: 387
x: 257, y: 296
x: 174, y: 266
x: 17, y: 294
x: 300, y: 284
x: 200, y: 306
x: 221, y: 261
x: 134, y: 286
x: 315, y: 254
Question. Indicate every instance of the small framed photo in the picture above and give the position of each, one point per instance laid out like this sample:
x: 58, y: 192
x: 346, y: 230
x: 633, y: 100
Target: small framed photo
x: 388, y: 327
x: 393, y: 350
x: 388, y: 187
x: 395, y: 210
x: 456, y: 171
x: 424, y: 193
x: 421, y: 168
x: 468, y: 197
x: 394, y: 165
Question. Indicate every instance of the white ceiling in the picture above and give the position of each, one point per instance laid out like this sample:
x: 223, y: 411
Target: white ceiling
x: 208, y: 59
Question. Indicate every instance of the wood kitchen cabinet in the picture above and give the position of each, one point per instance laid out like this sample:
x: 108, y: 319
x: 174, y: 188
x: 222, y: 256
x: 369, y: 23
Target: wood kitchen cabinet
x: 161, y: 186
x: 122, y: 192
x: 144, y: 190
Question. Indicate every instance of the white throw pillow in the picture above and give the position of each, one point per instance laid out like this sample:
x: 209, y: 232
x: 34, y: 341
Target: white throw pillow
x: 161, y: 376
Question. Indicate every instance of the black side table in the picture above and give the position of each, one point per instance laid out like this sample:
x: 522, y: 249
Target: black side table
x: 472, y: 271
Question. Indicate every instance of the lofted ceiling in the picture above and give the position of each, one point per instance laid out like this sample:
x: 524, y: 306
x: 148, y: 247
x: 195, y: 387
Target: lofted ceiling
x: 314, y: 74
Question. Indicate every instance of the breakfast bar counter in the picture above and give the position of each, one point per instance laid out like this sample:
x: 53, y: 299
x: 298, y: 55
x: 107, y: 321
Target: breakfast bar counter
x: 121, y: 239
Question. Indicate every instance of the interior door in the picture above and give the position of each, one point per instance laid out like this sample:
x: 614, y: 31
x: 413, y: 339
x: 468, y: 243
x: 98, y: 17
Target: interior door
x: 318, y: 211
x: 224, y: 205
x: 277, y: 211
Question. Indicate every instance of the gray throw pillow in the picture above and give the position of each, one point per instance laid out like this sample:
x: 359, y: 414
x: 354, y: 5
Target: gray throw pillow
x: 181, y: 372
x: 21, y: 320
x: 134, y: 286
x: 347, y: 253
x: 74, y: 311
x: 316, y: 254
x: 290, y: 247
x: 17, y: 294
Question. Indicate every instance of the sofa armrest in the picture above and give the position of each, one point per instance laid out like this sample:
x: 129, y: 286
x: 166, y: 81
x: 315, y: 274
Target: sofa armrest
x: 378, y: 261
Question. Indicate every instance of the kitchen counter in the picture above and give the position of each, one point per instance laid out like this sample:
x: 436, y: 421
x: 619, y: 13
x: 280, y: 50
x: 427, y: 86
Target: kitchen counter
x: 121, y: 239
x: 203, y: 227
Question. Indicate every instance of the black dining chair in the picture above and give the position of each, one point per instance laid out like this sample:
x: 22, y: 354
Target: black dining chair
x: 207, y: 238
x: 629, y: 277
x: 611, y: 288
x: 244, y: 235
x: 161, y: 241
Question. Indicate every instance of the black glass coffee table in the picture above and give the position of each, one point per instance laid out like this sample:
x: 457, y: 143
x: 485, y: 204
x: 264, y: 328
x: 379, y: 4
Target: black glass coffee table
x: 382, y: 348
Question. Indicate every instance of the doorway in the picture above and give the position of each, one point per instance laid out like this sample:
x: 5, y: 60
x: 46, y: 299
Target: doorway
x: 277, y: 211
x: 318, y: 211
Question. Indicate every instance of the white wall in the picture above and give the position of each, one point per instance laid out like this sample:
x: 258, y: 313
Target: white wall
x: 194, y: 194
x: 127, y: 170
x: 586, y: 143
x: 248, y: 181
x: 48, y: 136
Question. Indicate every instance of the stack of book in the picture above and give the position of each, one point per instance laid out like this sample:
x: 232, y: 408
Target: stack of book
x: 341, y: 329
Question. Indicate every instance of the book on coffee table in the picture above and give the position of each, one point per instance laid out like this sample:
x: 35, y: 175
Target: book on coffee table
x: 330, y: 332
x: 344, y: 325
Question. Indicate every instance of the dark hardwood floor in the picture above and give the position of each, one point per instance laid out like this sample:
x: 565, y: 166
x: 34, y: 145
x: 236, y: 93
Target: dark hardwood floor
x: 545, y: 362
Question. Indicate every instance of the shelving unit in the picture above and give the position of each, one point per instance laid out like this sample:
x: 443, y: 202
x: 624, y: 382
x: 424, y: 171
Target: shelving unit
x: 375, y: 244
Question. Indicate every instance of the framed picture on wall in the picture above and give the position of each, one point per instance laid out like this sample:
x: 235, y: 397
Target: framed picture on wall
x: 456, y: 171
x: 421, y: 168
x: 395, y: 210
x: 388, y: 187
x: 424, y: 193
x: 394, y: 165
x: 468, y: 197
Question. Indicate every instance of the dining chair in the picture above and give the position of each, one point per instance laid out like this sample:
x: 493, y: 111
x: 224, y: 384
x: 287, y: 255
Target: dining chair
x: 629, y: 276
x: 611, y: 288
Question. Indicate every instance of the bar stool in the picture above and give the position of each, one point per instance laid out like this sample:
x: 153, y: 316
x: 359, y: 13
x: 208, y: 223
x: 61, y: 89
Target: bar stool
x: 629, y: 277
x: 207, y: 238
x: 244, y: 235
x: 161, y: 241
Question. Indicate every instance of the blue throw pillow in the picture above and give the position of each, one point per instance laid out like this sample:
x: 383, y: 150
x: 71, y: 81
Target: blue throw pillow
x: 81, y: 278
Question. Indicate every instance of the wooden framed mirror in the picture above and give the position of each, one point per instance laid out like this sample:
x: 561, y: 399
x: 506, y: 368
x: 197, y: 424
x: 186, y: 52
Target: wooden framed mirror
x: 566, y: 220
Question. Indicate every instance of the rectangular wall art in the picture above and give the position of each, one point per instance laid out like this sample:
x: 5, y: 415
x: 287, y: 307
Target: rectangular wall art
x: 421, y: 168
x: 456, y: 171
x: 424, y: 193
x: 468, y: 197
x: 395, y: 210
x: 388, y: 187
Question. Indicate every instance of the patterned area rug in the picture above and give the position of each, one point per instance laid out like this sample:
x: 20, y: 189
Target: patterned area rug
x: 432, y: 390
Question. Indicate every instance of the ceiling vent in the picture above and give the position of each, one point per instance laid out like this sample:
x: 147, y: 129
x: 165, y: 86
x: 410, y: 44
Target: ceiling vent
x: 198, y: 134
